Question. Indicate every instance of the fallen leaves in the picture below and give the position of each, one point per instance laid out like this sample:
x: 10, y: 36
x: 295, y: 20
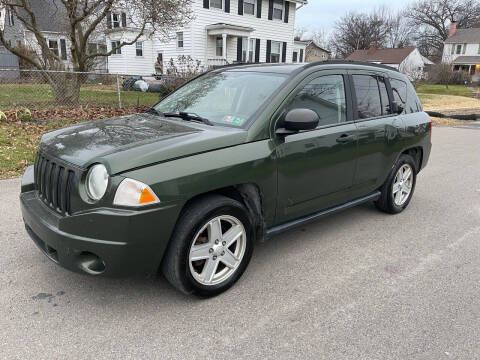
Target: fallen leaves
x: 19, y: 139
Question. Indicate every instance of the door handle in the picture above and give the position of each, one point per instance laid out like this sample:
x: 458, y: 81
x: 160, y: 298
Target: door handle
x: 345, y: 138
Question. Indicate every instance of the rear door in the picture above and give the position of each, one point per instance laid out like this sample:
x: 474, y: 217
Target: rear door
x: 379, y: 130
x: 316, y: 168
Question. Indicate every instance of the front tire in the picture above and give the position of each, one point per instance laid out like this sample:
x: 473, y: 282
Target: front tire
x: 211, y: 247
x: 397, y: 191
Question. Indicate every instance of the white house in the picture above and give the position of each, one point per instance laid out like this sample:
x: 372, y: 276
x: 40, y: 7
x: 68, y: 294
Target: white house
x: 462, y: 49
x: 299, y: 49
x: 407, y: 60
x: 223, y: 32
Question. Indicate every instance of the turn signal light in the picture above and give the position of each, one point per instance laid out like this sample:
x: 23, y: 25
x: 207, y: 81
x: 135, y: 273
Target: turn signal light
x: 146, y: 196
x: 134, y: 193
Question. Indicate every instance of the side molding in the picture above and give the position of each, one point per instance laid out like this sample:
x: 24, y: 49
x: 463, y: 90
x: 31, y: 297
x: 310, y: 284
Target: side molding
x: 310, y: 218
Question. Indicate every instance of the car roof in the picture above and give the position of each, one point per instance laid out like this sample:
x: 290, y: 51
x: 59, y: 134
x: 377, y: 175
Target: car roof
x: 296, y: 68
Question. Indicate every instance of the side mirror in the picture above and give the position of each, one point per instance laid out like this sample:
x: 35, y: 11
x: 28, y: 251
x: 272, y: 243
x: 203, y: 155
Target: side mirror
x: 397, y: 108
x: 297, y: 120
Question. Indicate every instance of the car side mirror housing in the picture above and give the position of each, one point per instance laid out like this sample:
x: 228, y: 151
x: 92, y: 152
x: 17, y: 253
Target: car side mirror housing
x: 397, y: 108
x: 297, y: 120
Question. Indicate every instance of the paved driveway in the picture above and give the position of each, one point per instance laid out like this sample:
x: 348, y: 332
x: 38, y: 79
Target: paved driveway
x: 358, y: 285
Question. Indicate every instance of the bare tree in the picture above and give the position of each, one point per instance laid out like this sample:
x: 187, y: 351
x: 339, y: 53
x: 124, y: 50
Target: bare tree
x: 84, y: 20
x: 401, y: 33
x: 356, y: 31
x: 431, y: 18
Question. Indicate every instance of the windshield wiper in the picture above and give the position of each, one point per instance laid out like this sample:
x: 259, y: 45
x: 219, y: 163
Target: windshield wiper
x: 188, y: 117
x: 154, y: 111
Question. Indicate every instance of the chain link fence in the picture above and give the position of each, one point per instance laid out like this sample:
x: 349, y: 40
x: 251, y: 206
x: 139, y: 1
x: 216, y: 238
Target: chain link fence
x: 41, y: 90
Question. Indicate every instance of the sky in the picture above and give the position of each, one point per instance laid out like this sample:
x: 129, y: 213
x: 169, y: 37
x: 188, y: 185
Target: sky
x: 321, y: 14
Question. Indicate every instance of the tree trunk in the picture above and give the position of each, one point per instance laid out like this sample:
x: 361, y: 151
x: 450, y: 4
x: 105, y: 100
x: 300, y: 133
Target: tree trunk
x: 66, y: 87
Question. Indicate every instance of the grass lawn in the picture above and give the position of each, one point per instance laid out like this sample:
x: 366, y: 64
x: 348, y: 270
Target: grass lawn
x: 447, y: 102
x: 454, y: 90
x: 35, y: 95
x: 438, y: 97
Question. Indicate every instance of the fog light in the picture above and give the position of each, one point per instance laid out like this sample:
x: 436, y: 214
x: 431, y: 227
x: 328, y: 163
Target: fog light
x: 91, y: 263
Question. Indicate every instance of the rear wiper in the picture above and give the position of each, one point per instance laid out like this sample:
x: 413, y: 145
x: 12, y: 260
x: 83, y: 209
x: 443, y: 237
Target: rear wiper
x: 189, y: 117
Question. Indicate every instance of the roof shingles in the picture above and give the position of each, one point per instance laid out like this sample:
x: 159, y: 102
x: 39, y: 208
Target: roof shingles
x: 465, y: 36
x: 382, y: 56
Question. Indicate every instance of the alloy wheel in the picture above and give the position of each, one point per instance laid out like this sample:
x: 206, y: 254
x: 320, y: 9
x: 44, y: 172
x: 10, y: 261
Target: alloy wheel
x: 217, y: 250
x: 402, y: 185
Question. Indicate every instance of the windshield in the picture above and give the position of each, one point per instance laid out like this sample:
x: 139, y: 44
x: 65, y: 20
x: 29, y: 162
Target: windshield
x: 228, y: 98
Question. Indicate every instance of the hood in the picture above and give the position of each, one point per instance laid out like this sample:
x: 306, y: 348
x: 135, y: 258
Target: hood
x: 136, y: 140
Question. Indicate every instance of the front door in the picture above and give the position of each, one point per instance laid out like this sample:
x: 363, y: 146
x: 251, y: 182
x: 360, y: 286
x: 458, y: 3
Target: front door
x: 316, y: 168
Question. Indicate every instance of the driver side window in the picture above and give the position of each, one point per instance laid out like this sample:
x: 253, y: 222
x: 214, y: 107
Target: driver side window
x: 326, y: 96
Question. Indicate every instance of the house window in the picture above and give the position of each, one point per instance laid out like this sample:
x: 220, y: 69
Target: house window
x: 53, y: 46
x: 295, y: 57
x: 251, y: 50
x: 115, y: 20
x: 11, y: 18
x: 180, y: 39
x: 92, y: 48
x: 459, y: 49
x: 217, y: 4
x: 139, y: 48
x: 249, y: 7
x: 276, y: 52
x: 63, y: 49
x: 278, y: 9
x: 116, y: 44
x: 219, y: 46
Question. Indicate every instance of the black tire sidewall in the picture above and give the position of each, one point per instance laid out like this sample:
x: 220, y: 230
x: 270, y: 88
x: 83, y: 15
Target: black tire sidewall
x: 403, y: 160
x: 187, y: 234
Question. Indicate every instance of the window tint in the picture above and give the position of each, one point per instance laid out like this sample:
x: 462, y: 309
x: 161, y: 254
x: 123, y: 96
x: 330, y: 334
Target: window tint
x: 368, y: 96
x: 326, y: 96
x: 413, y: 104
x: 384, y: 96
x: 399, y: 89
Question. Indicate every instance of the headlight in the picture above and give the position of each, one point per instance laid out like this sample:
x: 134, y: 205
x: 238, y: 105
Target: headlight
x: 97, y: 182
x: 134, y: 193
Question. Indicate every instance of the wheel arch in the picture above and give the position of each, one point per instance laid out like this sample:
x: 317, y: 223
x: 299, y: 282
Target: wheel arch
x: 416, y: 153
x: 248, y: 194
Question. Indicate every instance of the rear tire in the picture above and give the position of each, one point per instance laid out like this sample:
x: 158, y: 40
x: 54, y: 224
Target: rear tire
x: 398, y: 189
x: 210, y: 248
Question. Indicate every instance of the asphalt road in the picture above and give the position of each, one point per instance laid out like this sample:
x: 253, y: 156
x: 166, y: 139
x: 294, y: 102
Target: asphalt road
x: 356, y: 285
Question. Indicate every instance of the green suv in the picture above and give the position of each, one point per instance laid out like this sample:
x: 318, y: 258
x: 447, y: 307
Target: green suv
x: 235, y: 155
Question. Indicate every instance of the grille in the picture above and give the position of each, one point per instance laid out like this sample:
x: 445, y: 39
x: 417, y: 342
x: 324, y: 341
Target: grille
x: 54, y: 183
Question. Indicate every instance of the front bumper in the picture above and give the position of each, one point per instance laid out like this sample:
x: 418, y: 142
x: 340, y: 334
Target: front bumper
x: 109, y: 242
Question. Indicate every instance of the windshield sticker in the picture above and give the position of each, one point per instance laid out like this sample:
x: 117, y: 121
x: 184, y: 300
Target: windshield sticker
x: 234, y: 120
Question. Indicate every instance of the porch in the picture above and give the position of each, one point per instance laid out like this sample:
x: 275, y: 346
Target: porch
x: 228, y: 44
x: 469, y: 64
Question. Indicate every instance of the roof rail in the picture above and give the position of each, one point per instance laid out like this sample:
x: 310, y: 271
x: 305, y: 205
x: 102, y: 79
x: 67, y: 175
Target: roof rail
x: 350, y: 62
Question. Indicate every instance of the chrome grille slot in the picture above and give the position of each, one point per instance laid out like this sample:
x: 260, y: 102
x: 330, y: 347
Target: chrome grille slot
x: 54, y: 183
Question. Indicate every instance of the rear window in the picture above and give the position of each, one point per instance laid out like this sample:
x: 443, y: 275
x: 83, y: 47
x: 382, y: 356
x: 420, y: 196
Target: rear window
x: 413, y: 103
x: 369, y: 104
x: 405, y: 94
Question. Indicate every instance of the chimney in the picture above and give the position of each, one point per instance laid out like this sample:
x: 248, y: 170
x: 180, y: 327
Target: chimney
x: 453, y: 29
x: 372, y: 50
